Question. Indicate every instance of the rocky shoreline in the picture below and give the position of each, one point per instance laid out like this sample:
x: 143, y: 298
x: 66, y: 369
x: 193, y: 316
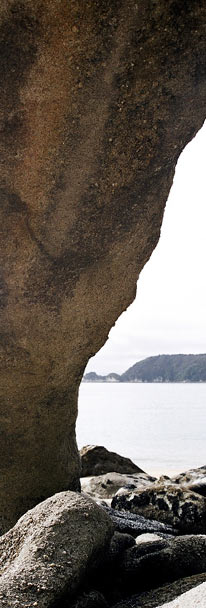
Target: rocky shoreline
x: 127, y: 541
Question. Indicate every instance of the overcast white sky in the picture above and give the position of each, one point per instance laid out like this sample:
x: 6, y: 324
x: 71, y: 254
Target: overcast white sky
x: 168, y: 315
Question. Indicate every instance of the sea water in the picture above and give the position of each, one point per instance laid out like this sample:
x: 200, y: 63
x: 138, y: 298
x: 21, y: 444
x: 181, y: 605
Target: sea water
x: 161, y: 427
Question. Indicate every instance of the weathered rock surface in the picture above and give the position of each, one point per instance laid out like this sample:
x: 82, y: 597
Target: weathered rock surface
x: 198, y: 486
x: 150, y: 564
x: 170, y: 504
x: 194, y: 480
x: 189, y: 476
x: 97, y: 100
x: 50, y: 550
x: 157, y: 597
x: 97, y: 460
x: 106, y: 486
x: 130, y: 523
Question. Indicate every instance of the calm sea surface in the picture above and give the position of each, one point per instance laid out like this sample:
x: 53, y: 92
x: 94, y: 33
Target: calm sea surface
x: 161, y: 427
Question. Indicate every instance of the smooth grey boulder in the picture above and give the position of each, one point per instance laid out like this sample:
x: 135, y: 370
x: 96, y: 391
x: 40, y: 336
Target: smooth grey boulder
x: 157, y: 597
x: 50, y: 550
x: 107, y: 485
x: 170, y: 504
x: 97, y: 460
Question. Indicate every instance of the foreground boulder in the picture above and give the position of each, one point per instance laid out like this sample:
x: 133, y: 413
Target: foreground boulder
x: 97, y: 460
x: 170, y: 504
x: 107, y: 485
x: 50, y: 550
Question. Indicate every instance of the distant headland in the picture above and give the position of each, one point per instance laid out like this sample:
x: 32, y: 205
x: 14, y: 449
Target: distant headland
x: 161, y: 368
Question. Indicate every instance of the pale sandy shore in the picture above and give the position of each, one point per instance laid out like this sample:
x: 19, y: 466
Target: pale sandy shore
x: 170, y: 473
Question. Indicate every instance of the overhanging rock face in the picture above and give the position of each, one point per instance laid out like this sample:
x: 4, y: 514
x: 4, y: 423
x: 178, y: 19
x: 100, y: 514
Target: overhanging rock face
x: 97, y: 100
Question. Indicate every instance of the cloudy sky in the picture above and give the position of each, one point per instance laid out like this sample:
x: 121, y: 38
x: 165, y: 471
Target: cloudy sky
x: 168, y: 315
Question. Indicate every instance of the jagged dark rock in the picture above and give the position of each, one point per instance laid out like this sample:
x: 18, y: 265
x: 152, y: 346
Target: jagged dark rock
x: 129, y: 523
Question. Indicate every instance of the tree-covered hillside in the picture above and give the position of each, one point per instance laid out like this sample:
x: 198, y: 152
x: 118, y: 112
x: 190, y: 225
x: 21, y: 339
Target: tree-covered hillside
x: 162, y: 368
x: 168, y: 368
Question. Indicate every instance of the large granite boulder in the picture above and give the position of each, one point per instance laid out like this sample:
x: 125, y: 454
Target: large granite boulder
x: 97, y: 460
x: 107, y: 485
x: 51, y: 549
x: 170, y: 504
x: 97, y: 100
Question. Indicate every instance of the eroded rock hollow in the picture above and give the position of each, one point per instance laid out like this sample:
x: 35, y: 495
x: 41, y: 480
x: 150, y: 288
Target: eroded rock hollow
x: 97, y: 100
